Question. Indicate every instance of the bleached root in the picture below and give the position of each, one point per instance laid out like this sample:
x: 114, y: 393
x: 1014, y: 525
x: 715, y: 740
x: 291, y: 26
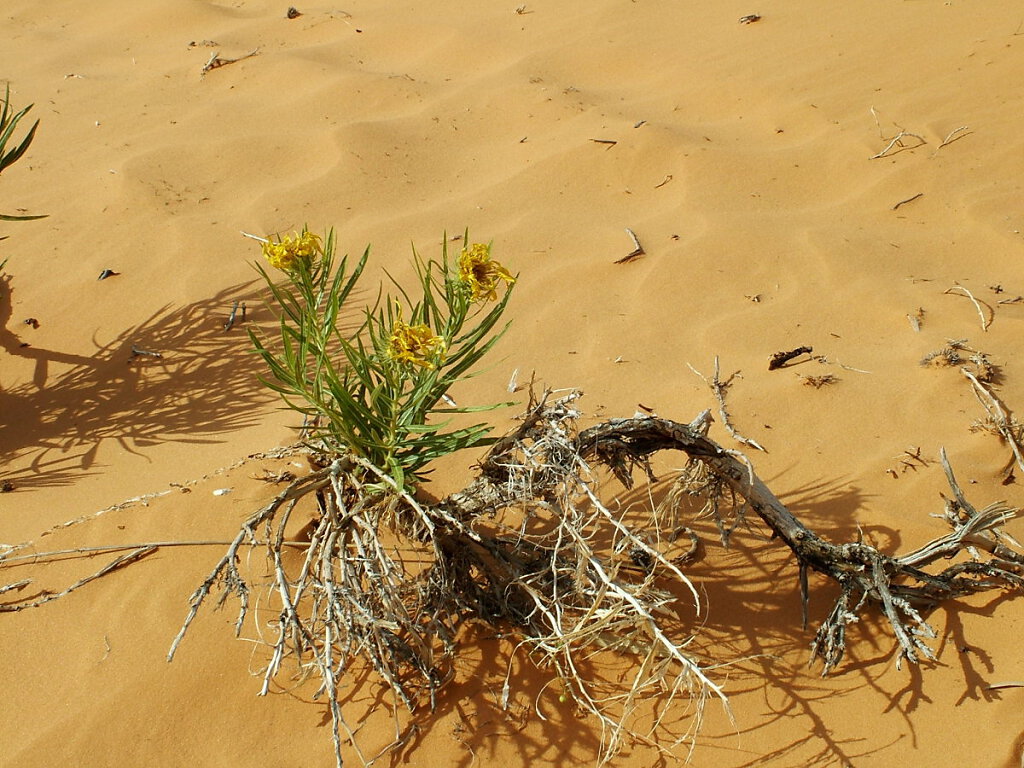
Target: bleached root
x: 379, y: 582
x: 386, y: 582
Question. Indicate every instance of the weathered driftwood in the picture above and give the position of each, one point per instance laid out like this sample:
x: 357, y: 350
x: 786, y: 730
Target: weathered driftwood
x: 529, y: 547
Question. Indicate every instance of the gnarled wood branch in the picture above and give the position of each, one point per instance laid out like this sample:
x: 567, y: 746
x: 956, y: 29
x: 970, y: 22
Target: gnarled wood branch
x: 897, y: 585
x: 383, y: 581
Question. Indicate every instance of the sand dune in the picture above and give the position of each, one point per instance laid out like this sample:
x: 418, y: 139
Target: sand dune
x: 739, y: 154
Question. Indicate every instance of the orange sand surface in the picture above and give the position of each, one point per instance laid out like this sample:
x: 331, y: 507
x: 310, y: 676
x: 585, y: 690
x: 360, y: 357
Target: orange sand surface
x: 742, y: 160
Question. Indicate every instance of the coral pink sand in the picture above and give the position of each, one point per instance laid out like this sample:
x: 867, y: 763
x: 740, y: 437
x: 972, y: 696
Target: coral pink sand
x: 742, y: 161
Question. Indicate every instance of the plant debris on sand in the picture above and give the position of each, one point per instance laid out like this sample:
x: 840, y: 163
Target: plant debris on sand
x: 530, y: 547
x: 367, y: 576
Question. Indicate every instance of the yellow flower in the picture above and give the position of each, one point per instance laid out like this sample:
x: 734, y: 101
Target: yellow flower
x: 290, y: 252
x: 415, y: 344
x: 479, y: 271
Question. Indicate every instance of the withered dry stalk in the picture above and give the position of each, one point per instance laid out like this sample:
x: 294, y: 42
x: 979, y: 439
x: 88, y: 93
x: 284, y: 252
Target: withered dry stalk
x: 959, y: 290
x: 529, y: 547
x: 718, y: 389
x: 45, y: 596
x: 999, y: 420
x: 216, y: 61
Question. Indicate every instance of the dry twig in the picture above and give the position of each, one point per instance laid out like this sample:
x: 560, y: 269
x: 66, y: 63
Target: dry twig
x: 779, y: 359
x: 896, y: 143
x: 216, y: 61
x: 954, y: 135
x: 718, y: 389
x: 985, y: 321
x: 908, y: 200
x: 1004, y: 422
x: 638, y: 250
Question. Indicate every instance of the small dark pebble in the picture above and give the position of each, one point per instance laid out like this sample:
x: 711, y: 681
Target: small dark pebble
x: 107, y: 273
x: 750, y: 18
x: 32, y: 321
x: 6, y: 486
x: 293, y: 13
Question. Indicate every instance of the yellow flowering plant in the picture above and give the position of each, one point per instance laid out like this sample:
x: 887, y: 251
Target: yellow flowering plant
x: 291, y: 254
x: 377, y: 389
x: 481, y: 273
x: 416, y: 344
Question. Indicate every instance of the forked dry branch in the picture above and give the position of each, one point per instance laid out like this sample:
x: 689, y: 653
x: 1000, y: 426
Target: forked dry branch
x: 386, y: 581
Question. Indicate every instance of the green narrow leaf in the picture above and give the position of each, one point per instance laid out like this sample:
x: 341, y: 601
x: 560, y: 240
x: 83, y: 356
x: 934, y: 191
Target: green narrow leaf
x: 14, y: 155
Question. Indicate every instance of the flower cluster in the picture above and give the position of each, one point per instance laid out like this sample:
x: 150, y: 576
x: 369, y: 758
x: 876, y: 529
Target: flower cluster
x: 415, y: 344
x: 289, y: 253
x: 481, y: 273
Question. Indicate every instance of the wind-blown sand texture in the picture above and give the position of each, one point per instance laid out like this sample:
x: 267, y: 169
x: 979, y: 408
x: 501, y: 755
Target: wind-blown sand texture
x: 742, y: 160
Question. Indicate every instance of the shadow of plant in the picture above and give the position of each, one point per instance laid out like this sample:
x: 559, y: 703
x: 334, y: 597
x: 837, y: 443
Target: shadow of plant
x: 200, y: 382
x: 474, y: 720
x: 750, y: 625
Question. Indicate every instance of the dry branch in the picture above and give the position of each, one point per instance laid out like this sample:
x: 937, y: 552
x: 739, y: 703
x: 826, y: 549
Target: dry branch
x: 955, y: 135
x: 896, y: 585
x: 382, y: 582
x: 985, y: 321
x: 896, y: 143
x: 216, y: 61
x: 529, y: 547
x: 1003, y: 422
x: 637, y: 252
x: 779, y: 359
x: 910, y: 199
x: 46, y: 597
x: 718, y: 389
